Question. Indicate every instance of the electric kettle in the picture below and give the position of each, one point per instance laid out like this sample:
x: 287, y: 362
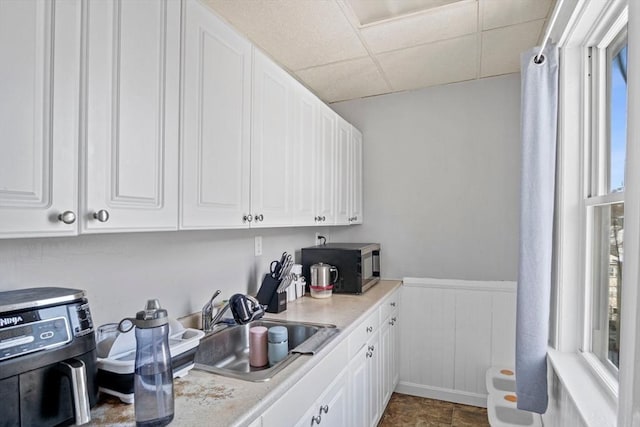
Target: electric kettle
x: 321, y: 275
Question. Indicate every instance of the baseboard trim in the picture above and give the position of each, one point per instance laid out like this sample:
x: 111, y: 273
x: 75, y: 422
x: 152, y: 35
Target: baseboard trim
x: 438, y: 393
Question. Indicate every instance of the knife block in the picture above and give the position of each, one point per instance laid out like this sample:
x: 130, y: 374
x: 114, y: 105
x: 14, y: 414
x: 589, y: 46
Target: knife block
x: 267, y: 295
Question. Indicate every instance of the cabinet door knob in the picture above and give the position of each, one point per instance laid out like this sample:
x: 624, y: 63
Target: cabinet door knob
x: 259, y: 217
x: 394, y: 318
x: 393, y: 304
x: 68, y: 217
x: 325, y: 409
x: 316, y: 419
x: 324, y: 218
x: 247, y: 218
x: 102, y: 215
x: 369, y: 328
x: 369, y: 354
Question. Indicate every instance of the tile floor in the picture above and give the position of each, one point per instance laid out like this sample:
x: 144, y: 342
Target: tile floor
x: 405, y: 411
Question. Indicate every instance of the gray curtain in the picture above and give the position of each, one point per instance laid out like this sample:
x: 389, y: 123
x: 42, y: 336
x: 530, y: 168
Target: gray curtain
x: 538, y: 124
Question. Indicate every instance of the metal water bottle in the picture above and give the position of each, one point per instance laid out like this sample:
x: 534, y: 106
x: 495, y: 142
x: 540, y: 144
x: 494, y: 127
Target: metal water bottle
x: 153, y: 380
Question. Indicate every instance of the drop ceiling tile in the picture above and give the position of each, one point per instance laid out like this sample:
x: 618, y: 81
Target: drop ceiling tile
x: 340, y: 81
x: 501, y: 48
x: 501, y: 13
x: 445, y: 22
x: 432, y: 64
x: 368, y: 11
x: 296, y: 33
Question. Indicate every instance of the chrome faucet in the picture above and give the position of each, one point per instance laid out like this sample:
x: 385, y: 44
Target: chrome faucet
x: 208, y: 320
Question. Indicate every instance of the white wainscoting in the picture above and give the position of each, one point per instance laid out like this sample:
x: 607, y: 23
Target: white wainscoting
x: 562, y: 411
x: 451, y: 332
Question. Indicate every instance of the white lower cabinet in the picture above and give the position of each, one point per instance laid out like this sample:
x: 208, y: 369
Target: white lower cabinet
x: 389, y: 345
x: 332, y: 408
x: 331, y: 395
x: 304, y: 398
x: 365, y: 385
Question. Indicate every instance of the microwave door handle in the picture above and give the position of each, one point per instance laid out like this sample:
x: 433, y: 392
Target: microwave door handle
x: 376, y: 263
x: 75, y: 370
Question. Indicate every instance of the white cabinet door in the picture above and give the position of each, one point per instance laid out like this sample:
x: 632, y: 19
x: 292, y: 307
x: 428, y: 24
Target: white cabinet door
x: 39, y: 112
x: 325, y: 166
x: 331, y: 409
x: 395, y: 350
x: 216, y: 114
x: 359, y: 389
x: 375, y: 390
x: 385, y: 360
x: 131, y: 153
x: 271, y: 176
x: 304, y: 153
x: 355, y: 214
x: 343, y: 172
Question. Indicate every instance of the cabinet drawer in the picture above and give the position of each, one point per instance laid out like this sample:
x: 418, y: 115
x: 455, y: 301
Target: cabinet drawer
x: 389, y: 305
x: 363, y: 332
x: 301, y: 396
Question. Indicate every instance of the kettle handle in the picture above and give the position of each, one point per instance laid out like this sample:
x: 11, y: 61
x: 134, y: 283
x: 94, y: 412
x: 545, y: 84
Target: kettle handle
x: 334, y: 269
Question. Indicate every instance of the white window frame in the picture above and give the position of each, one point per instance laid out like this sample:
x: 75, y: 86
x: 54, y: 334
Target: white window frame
x: 605, y: 36
x: 599, y: 400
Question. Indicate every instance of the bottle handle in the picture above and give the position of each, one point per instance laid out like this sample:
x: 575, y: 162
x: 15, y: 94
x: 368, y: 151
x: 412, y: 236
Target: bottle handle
x: 126, y: 325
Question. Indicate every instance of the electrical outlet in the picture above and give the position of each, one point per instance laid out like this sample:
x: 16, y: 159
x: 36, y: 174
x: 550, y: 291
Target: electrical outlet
x: 258, y: 245
x: 320, y: 241
x: 316, y: 239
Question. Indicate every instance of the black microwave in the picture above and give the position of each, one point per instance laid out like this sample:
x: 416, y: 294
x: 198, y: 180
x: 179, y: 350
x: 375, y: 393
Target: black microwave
x: 358, y: 264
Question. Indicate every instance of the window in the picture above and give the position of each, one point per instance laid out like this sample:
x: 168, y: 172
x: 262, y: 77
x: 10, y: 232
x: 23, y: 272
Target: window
x: 604, y: 201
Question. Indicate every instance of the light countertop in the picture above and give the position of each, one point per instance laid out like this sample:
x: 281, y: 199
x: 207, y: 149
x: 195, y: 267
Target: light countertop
x: 203, y: 398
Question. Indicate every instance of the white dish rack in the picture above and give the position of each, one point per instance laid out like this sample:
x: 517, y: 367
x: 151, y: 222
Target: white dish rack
x: 117, y: 355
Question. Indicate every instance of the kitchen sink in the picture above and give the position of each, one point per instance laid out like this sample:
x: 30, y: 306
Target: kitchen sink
x: 226, y: 352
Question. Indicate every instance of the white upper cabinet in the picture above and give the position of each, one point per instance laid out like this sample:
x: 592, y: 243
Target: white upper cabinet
x: 271, y: 153
x: 152, y: 115
x: 130, y: 156
x: 343, y: 172
x: 39, y: 113
x: 355, y: 172
x: 325, y: 166
x: 216, y: 113
x: 304, y: 164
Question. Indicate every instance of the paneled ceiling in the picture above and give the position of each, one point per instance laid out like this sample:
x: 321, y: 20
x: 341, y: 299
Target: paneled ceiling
x: 347, y: 49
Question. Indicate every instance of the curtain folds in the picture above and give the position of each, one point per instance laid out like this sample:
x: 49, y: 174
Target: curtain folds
x: 538, y: 127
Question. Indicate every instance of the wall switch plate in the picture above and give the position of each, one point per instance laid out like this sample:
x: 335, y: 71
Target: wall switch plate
x: 258, y: 245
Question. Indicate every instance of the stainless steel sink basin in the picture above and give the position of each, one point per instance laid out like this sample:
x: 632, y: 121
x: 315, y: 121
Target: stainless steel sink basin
x: 226, y: 352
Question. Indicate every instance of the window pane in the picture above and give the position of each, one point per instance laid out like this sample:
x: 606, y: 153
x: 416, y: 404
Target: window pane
x: 618, y: 120
x: 608, y: 260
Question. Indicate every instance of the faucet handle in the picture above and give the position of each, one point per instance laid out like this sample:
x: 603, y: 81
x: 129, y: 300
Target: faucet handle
x: 215, y: 294
x: 207, y: 312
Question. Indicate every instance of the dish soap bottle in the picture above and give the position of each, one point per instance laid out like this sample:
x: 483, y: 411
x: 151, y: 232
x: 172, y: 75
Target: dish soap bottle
x: 153, y: 379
